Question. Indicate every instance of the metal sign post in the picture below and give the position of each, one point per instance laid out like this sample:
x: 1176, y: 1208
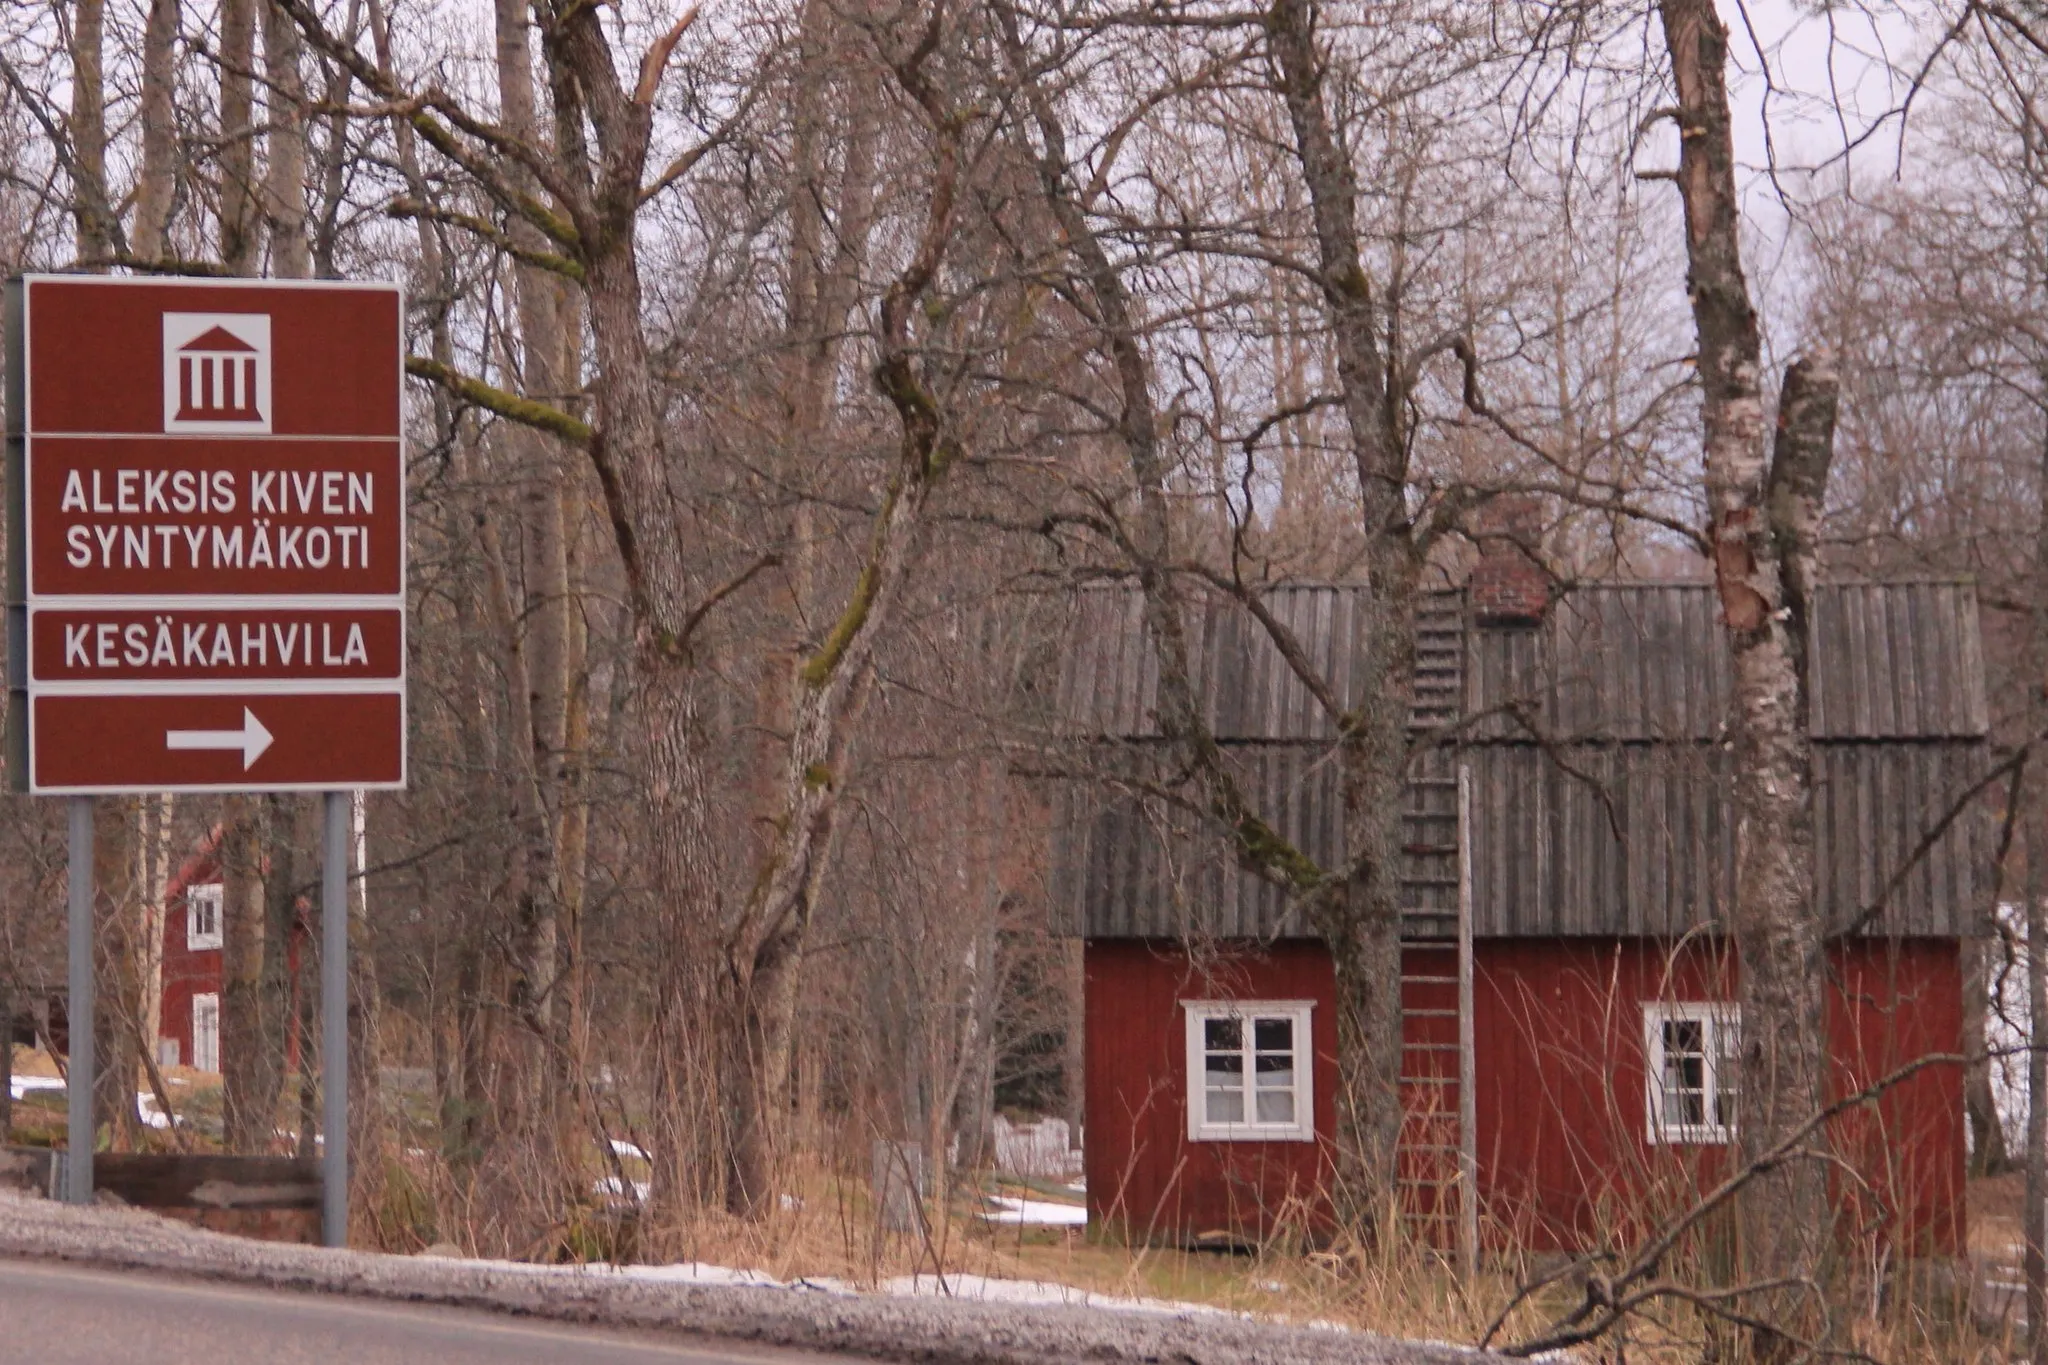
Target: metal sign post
x: 205, y: 579
x: 78, y: 1011
x: 334, y: 1018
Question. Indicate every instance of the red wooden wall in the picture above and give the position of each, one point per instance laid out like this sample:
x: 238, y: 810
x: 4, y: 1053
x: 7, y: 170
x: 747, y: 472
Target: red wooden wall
x: 1143, y: 1173
x: 1562, y: 1134
x: 186, y: 972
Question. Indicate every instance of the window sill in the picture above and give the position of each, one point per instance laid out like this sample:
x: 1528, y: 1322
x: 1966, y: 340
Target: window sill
x: 1248, y: 1133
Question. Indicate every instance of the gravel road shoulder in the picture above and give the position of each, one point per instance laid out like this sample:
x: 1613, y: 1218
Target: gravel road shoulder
x: 939, y: 1331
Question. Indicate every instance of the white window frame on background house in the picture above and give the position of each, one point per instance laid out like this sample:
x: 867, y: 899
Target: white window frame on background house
x: 1288, y: 1071
x: 1696, y: 1106
x: 206, y: 1032
x: 202, y: 916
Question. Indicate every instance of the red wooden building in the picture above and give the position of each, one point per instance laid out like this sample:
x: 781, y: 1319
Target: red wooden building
x: 1568, y: 836
x: 189, y: 1033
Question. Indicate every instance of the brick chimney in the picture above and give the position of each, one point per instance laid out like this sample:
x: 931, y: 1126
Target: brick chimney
x: 1509, y: 585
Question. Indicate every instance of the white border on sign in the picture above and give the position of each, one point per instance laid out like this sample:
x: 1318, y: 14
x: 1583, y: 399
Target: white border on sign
x: 279, y: 606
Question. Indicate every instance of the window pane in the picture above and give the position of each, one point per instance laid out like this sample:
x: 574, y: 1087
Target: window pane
x: 1684, y: 1108
x: 1223, y: 1034
x: 1276, y: 1106
x: 1225, y: 1068
x: 1273, y: 1035
x: 1685, y: 1073
x: 1728, y: 1072
x: 1684, y: 1036
x: 1226, y: 1106
x: 1275, y: 1073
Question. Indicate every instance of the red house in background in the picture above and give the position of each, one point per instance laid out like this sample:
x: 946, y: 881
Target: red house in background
x: 193, y: 966
x: 1569, y: 1016
x: 189, y: 1034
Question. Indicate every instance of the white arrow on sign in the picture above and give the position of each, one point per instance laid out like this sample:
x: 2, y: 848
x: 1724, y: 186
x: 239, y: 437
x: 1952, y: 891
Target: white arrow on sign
x: 252, y: 739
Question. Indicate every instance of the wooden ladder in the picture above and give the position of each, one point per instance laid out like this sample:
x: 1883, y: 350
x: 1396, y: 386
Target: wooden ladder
x: 1436, y: 1163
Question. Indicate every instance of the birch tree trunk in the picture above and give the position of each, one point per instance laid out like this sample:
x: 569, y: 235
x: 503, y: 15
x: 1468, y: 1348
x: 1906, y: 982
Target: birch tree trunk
x: 2034, y: 1216
x: 157, y: 185
x: 1988, y: 1155
x: 1763, y: 507
x: 2034, y: 1213
x: 766, y: 946
x: 95, y: 228
x: 284, y: 181
x: 248, y: 1091
x: 118, y: 985
x: 6, y: 1052
x: 154, y: 875
x: 240, y: 228
x: 813, y: 700
x: 540, y: 634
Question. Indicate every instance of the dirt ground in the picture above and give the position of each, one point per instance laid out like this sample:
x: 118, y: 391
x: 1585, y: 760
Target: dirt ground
x: 1995, y: 1204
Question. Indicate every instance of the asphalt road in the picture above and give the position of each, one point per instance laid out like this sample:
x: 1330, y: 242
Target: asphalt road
x: 54, y: 1314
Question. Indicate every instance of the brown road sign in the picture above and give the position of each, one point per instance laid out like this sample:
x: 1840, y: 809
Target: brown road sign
x: 251, y: 741
x: 119, y: 644
x: 206, y: 556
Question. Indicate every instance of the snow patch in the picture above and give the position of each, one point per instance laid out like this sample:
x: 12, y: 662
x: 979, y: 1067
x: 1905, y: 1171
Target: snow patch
x: 1036, y: 1212
x: 974, y: 1288
x: 986, y: 1289
x: 18, y: 1086
x: 612, y: 1186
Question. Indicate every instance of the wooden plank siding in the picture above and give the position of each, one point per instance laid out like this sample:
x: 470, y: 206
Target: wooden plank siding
x: 1145, y: 1177
x: 1564, y: 1151
x: 1564, y: 1155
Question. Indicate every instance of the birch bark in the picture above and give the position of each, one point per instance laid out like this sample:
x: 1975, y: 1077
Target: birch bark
x: 156, y: 187
x: 2034, y: 1215
x: 2034, y: 1212
x: 284, y: 180
x: 240, y: 227
x: 94, y: 226
x: 1764, y: 506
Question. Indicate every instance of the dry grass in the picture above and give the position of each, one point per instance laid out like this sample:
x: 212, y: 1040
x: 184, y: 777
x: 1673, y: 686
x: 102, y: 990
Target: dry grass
x: 828, y: 1228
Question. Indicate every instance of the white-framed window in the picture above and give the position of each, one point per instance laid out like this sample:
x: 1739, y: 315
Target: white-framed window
x: 1691, y: 1053
x: 1250, y: 1071
x: 206, y: 1032
x: 202, y: 916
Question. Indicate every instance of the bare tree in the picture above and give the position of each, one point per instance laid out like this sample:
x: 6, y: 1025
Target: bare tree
x: 1764, y: 506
